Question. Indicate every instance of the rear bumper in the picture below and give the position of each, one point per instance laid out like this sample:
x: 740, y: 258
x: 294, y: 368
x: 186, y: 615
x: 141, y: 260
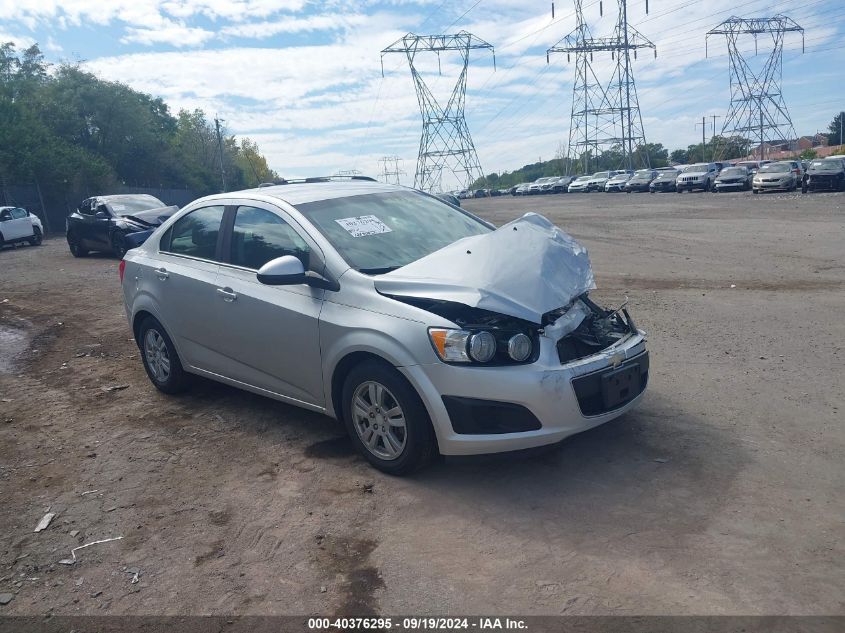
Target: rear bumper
x: 562, y: 398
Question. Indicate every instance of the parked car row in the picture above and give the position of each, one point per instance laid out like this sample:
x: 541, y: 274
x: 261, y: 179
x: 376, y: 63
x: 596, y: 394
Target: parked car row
x: 755, y: 176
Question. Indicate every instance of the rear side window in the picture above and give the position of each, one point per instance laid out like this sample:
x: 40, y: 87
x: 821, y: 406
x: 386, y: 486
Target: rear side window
x: 195, y: 234
x: 259, y: 236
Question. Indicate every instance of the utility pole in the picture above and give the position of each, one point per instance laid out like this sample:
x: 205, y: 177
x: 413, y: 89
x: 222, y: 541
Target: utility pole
x: 841, y: 119
x: 703, y: 125
x: 713, y: 149
x: 757, y: 105
x: 220, y: 150
x: 445, y: 142
x: 605, y: 114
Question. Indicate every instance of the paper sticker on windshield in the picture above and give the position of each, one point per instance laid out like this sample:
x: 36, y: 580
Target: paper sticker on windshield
x: 118, y: 207
x: 364, y: 225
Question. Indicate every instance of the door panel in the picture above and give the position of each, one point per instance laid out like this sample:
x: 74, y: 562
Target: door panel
x: 185, y: 294
x: 184, y: 279
x: 270, y: 334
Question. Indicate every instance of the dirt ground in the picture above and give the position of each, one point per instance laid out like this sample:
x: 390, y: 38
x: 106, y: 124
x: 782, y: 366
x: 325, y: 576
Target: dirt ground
x: 722, y: 493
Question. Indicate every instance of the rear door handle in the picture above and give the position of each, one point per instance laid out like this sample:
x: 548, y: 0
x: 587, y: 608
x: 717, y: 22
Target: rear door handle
x: 162, y: 273
x: 228, y: 294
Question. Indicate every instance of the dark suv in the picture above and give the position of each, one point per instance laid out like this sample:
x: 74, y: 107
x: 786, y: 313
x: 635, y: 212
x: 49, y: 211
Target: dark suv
x: 114, y: 223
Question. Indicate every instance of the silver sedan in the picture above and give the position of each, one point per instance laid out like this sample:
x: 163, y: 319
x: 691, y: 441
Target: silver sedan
x: 421, y: 327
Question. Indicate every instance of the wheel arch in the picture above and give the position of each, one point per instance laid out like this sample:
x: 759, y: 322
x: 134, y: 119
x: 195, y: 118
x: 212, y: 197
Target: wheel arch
x: 341, y: 371
x: 137, y: 320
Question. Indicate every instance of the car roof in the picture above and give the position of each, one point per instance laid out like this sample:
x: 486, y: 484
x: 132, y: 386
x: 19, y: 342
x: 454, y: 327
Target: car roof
x: 303, y: 193
x: 124, y: 196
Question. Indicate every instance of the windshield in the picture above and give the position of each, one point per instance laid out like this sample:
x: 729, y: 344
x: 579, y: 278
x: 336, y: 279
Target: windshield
x: 826, y: 165
x: 643, y: 173
x: 695, y: 168
x: 667, y: 174
x: 133, y: 204
x: 601, y: 174
x: 777, y: 168
x: 379, y: 232
x: 733, y: 171
x: 584, y: 178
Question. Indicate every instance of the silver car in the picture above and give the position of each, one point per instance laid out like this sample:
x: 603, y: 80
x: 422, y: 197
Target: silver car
x: 421, y: 327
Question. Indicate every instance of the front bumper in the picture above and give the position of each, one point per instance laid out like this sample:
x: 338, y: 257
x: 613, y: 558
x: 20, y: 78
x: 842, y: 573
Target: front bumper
x: 730, y: 185
x: 761, y: 185
x: 545, y: 388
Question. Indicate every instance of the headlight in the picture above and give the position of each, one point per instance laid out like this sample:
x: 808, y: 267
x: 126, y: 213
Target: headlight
x: 450, y: 345
x: 482, y: 347
x: 519, y: 347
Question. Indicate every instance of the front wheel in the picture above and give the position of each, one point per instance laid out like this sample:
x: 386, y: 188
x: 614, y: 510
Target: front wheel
x: 36, y: 238
x: 161, y: 361
x: 386, y: 419
x: 755, y: 191
x: 75, y: 247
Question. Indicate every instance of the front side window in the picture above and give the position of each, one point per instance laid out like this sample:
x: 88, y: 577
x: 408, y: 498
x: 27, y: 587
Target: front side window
x: 259, y: 236
x: 18, y: 213
x: 379, y: 232
x: 195, y: 234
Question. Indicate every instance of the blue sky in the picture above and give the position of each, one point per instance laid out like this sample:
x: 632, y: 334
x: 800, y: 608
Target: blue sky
x: 304, y: 78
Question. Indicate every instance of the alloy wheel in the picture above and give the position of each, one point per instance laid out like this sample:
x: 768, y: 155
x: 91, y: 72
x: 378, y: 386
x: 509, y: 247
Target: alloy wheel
x: 156, y: 355
x: 379, y: 420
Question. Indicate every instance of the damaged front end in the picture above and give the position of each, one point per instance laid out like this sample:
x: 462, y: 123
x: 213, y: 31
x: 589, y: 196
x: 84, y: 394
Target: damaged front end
x: 586, y: 329
x: 578, y: 331
x: 505, y: 289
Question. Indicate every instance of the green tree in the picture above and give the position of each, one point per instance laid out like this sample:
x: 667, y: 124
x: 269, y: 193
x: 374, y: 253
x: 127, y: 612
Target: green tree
x: 835, y: 130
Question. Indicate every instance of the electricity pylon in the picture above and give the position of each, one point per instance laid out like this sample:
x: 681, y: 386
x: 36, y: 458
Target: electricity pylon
x: 445, y: 142
x: 605, y: 116
x: 757, y: 107
x: 390, y: 169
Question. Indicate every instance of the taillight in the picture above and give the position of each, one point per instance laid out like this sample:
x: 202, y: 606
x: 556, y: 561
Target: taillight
x: 121, y: 268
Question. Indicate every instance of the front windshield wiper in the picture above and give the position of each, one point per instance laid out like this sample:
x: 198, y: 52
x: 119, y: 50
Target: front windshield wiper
x: 378, y: 271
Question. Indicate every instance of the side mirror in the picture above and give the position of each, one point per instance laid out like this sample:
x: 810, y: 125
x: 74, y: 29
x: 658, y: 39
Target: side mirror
x: 282, y: 271
x: 102, y: 215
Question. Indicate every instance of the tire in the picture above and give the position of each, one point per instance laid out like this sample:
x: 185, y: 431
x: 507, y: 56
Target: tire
x: 36, y: 238
x: 118, y: 244
x: 161, y: 362
x: 75, y: 247
x: 394, y: 448
x: 755, y: 191
x: 2, y: 241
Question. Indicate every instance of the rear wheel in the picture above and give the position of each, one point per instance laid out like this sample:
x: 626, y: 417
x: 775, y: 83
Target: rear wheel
x: 386, y: 419
x: 75, y: 246
x: 36, y: 238
x: 161, y: 361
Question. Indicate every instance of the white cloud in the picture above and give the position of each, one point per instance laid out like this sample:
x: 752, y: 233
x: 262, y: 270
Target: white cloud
x: 172, y: 33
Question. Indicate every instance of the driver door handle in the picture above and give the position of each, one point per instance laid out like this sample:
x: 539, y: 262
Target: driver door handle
x: 228, y: 294
x: 162, y: 273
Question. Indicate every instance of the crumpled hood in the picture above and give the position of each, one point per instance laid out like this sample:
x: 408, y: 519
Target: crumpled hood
x: 150, y: 217
x: 523, y: 269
